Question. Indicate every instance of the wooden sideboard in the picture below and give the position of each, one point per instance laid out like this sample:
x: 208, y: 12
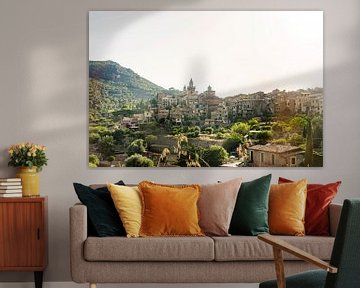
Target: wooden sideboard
x: 23, y: 235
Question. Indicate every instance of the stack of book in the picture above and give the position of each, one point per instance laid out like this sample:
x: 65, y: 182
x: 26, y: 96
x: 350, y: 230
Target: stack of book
x: 10, y: 187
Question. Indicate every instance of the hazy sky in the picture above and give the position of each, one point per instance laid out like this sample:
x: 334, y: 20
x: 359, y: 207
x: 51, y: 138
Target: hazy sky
x: 233, y: 51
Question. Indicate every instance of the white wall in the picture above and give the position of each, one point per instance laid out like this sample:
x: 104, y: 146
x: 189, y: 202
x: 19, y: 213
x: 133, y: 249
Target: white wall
x: 43, y: 90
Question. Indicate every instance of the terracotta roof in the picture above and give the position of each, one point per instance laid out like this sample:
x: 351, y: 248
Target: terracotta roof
x: 275, y: 148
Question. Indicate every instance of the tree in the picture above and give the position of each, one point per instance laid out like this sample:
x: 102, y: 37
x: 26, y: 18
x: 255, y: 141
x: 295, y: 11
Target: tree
x: 215, y: 155
x: 111, y: 158
x: 137, y: 160
x: 163, y: 157
x: 107, y: 146
x: 193, y: 131
x: 317, y: 124
x: 298, y: 123
x: 101, y: 130
x: 241, y: 128
x: 296, y: 139
x: 280, y: 141
x: 153, y: 102
x: 263, y: 137
x: 94, y: 138
x: 187, y: 155
x: 150, y: 139
x: 231, y: 144
x: 94, y: 161
x: 120, y: 134
x: 209, y: 130
x: 309, y: 144
x: 254, y: 123
x: 136, y: 147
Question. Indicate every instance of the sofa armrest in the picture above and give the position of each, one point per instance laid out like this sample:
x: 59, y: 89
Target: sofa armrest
x: 78, y: 235
x: 279, y: 246
x: 284, y: 246
x: 334, y: 217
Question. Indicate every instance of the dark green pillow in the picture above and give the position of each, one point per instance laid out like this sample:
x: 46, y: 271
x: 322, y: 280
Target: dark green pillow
x: 250, y: 216
x: 103, y: 218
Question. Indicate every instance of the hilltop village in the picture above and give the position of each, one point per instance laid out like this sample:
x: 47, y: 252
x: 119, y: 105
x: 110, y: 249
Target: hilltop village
x: 206, y: 109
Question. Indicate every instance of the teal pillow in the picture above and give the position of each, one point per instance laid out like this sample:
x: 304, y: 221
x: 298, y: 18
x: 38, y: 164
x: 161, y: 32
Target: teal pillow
x: 250, y: 216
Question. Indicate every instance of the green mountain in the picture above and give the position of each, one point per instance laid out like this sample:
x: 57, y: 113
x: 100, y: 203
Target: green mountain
x: 122, y: 82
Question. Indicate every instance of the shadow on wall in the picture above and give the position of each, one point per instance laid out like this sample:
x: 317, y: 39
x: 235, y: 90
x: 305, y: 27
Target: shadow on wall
x: 44, y: 75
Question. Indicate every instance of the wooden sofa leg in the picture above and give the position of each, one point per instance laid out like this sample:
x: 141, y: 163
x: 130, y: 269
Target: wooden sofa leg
x: 92, y: 285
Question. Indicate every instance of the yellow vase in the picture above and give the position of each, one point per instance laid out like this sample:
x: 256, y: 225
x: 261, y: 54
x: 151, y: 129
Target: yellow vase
x: 30, y: 181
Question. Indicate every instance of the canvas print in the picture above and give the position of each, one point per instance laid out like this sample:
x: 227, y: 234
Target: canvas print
x: 205, y: 89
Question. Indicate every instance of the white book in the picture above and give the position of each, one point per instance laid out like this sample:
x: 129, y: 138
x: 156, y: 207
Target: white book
x: 10, y: 191
x: 10, y: 180
x: 10, y: 187
x: 2, y: 195
x: 10, y: 183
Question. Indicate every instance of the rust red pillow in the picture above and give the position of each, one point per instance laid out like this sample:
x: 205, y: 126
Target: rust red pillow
x: 319, y: 197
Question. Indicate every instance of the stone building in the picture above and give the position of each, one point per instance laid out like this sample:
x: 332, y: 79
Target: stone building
x: 273, y: 155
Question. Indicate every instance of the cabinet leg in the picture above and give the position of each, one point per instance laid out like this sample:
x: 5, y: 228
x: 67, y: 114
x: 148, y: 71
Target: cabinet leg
x: 38, y: 279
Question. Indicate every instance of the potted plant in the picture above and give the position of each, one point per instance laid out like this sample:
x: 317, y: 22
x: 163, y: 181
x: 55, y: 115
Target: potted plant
x: 30, y: 158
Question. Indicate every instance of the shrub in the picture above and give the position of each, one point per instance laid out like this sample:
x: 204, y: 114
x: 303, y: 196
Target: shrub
x: 150, y: 139
x: 101, y: 130
x: 209, y: 130
x: 111, y: 158
x: 296, y: 139
x: 241, y: 128
x: 280, y: 141
x: 215, y: 155
x: 94, y: 137
x: 107, y: 145
x: 137, y: 160
x: 136, y: 147
x: 231, y: 144
x: 119, y: 134
x: 263, y: 136
x: 94, y: 160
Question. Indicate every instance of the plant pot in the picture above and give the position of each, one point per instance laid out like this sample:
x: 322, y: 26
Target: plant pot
x: 30, y: 181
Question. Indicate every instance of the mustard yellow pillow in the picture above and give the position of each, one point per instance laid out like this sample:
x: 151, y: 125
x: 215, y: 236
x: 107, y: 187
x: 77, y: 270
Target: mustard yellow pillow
x: 127, y: 201
x: 287, y: 204
x: 169, y: 210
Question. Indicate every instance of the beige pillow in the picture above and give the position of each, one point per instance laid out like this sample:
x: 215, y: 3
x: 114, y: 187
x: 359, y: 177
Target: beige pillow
x: 216, y: 206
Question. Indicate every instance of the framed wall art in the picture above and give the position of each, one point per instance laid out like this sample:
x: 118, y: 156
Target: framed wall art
x: 205, y: 88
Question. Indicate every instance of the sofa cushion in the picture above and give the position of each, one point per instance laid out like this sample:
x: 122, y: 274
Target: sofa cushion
x: 169, y: 210
x: 149, y: 249
x: 216, y: 206
x: 102, y: 215
x: 250, y: 215
x: 244, y: 248
x: 318, y: 199
x: 127, y: 201
x: 287, y: 204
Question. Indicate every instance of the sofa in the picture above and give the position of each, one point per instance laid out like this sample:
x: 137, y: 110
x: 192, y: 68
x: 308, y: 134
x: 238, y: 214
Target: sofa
x: 233, y: 259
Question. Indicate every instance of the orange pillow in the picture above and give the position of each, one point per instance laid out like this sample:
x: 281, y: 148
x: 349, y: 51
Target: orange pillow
x: 287, y: 204
x: 318, y: 200
x: 169, y: 210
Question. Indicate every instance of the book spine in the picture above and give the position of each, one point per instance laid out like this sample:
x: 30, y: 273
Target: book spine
x: 10, y: 191
x: 10, y: 180
x: 10, y: 183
